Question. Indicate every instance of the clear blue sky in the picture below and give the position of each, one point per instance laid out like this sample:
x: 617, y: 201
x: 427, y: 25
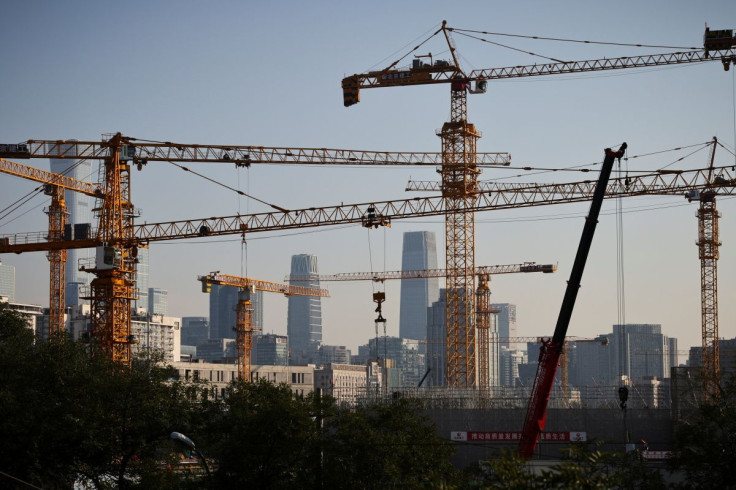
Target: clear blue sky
x: 268, y: 73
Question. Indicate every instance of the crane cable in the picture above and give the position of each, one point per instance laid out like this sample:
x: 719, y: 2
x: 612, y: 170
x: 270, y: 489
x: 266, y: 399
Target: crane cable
x: 620, y: 271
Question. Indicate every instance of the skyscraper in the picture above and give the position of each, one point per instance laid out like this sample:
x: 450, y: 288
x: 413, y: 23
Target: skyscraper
x: 80, y: 217
x: 141, y: 281
x: 158, y: 301
x: 7, y: 282
x: 419, y: 252
x: 506, y: 323
x: 223, y: 307
x: 304, y: 321
x: 640, y: 351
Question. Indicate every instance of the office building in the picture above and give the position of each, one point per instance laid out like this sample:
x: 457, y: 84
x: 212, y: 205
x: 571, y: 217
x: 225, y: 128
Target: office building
x: 80, y: 218
x: 7, y: 282
x: 142, y: 267
x: 349, y: 384
x: 406, y: 355
x: 304, y: 320
x: 334, y: 354
x: 160, y: 334
x: 419, y: 252
x: 640, y: 351
x: 436, y: 357
x: 506, y: 318
x: 194, y: 329
x: 223, y: 308
x: 270, y: 350
x: 158, y: 301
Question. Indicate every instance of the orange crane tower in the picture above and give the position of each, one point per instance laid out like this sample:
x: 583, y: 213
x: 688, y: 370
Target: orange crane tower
x: 459, y: 170
x: 54, y: 186
x: 668, y: 182
x: 113, y: 287
x: 483, y: 297
x: 244, y: 327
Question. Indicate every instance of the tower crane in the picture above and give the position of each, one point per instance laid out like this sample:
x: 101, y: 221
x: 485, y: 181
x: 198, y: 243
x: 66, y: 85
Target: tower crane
x: 483, y: 296
x: 244, y: 327
x: 54, y: 186
x: 459, y: 170
x: 113, y: 287
x: 668, y: 182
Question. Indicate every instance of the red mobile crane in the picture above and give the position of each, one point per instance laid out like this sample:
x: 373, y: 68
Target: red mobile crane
x: 549, y: 354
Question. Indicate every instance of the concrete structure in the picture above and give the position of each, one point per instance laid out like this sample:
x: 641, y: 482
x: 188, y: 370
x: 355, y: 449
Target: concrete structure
x: 348, y: 384
x: 79, y: 223
x: 419, y: 252
x: 217, y: 350
x: 304, y: 320
x: 158, y: 301
x: 270, y: 350
x: 194, y: 329
x: 157, y: 333
x: 299, y: 378
x: 7, y: 282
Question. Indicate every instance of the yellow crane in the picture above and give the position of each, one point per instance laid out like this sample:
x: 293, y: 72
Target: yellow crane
x: 244, y: 327
x: 483, y: 296
x: 667, y: 182
x: 459, y: 170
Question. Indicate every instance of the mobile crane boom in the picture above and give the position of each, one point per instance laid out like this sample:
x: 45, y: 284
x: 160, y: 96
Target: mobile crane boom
x: 549, y: 356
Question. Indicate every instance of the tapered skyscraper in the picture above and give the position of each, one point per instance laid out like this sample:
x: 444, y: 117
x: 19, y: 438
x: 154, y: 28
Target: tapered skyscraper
x: 80, y: 219
x: 304, y: 321
x: 419, y: 252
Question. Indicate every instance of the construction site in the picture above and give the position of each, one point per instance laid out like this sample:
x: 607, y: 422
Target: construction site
x: 464, y: 399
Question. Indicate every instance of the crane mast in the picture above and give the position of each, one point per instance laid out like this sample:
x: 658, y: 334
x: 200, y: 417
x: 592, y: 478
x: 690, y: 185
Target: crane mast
x: 244, y: 326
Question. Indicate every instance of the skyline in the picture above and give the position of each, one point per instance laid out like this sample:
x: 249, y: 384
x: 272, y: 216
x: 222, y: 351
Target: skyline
x: 238, y: 78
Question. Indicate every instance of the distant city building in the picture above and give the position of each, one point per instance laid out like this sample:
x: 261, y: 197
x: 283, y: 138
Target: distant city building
x: 589, y: 363
x: 640, y: 351
x: 270, y: 349
x: 158, y: 301
x: 407, y: 355
x: 7, y: 282
x: 727, y: 361
x: 160, y: 334
x: 142, y: 270
x: 80, y: 218
x: 334, y: 354
x: 349, y: 384
x: 436, y: 357
x: 506, y: 323
x: 509, y: 362
x: 217, y: 350
x: 223, y: 311
x: 304, y: 320
x: 419, y: 253
x: 194, y: 329
x: 37, y: 316
x: 362, y: 357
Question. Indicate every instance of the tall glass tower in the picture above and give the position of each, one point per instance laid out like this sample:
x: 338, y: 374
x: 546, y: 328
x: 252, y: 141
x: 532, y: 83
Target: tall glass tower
x: 7, y: 282
x: 304, y: 321
x: 223, y: 306
x: 80, y: 218
x: 419, y: 252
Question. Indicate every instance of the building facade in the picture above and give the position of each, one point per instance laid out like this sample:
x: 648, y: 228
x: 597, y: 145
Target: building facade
x: 270, y: 350
x: 142, y: 272
x: 194, y: 329
x: 349, y: 384
x: 7, y: 282
x: 304, y: 317
x: 159, y: 334
x: 506, y: 318
x: 419, y: 252
x: 158, y: 301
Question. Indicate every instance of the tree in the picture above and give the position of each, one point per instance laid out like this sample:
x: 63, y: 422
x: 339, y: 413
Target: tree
x: 263, y: 436
x: 705, y: 445
x: 381, y: 446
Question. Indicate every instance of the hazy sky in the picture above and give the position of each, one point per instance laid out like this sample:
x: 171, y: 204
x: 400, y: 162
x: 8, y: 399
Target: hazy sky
x: 268, y: 73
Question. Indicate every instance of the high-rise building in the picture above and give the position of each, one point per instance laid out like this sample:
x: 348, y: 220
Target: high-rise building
x: 436, y: 358
x: 158, y: 301
x: 419, y: 252
x: 223, y: 308
x: 334, y: 354
x: 640, y: 351
x: 304, y: 320
x: 7, y: 282
x: 194, y: 329
x: 142, y: 268
x: 506, y: 323
x: 79, y: 223
x: 270, y: 350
